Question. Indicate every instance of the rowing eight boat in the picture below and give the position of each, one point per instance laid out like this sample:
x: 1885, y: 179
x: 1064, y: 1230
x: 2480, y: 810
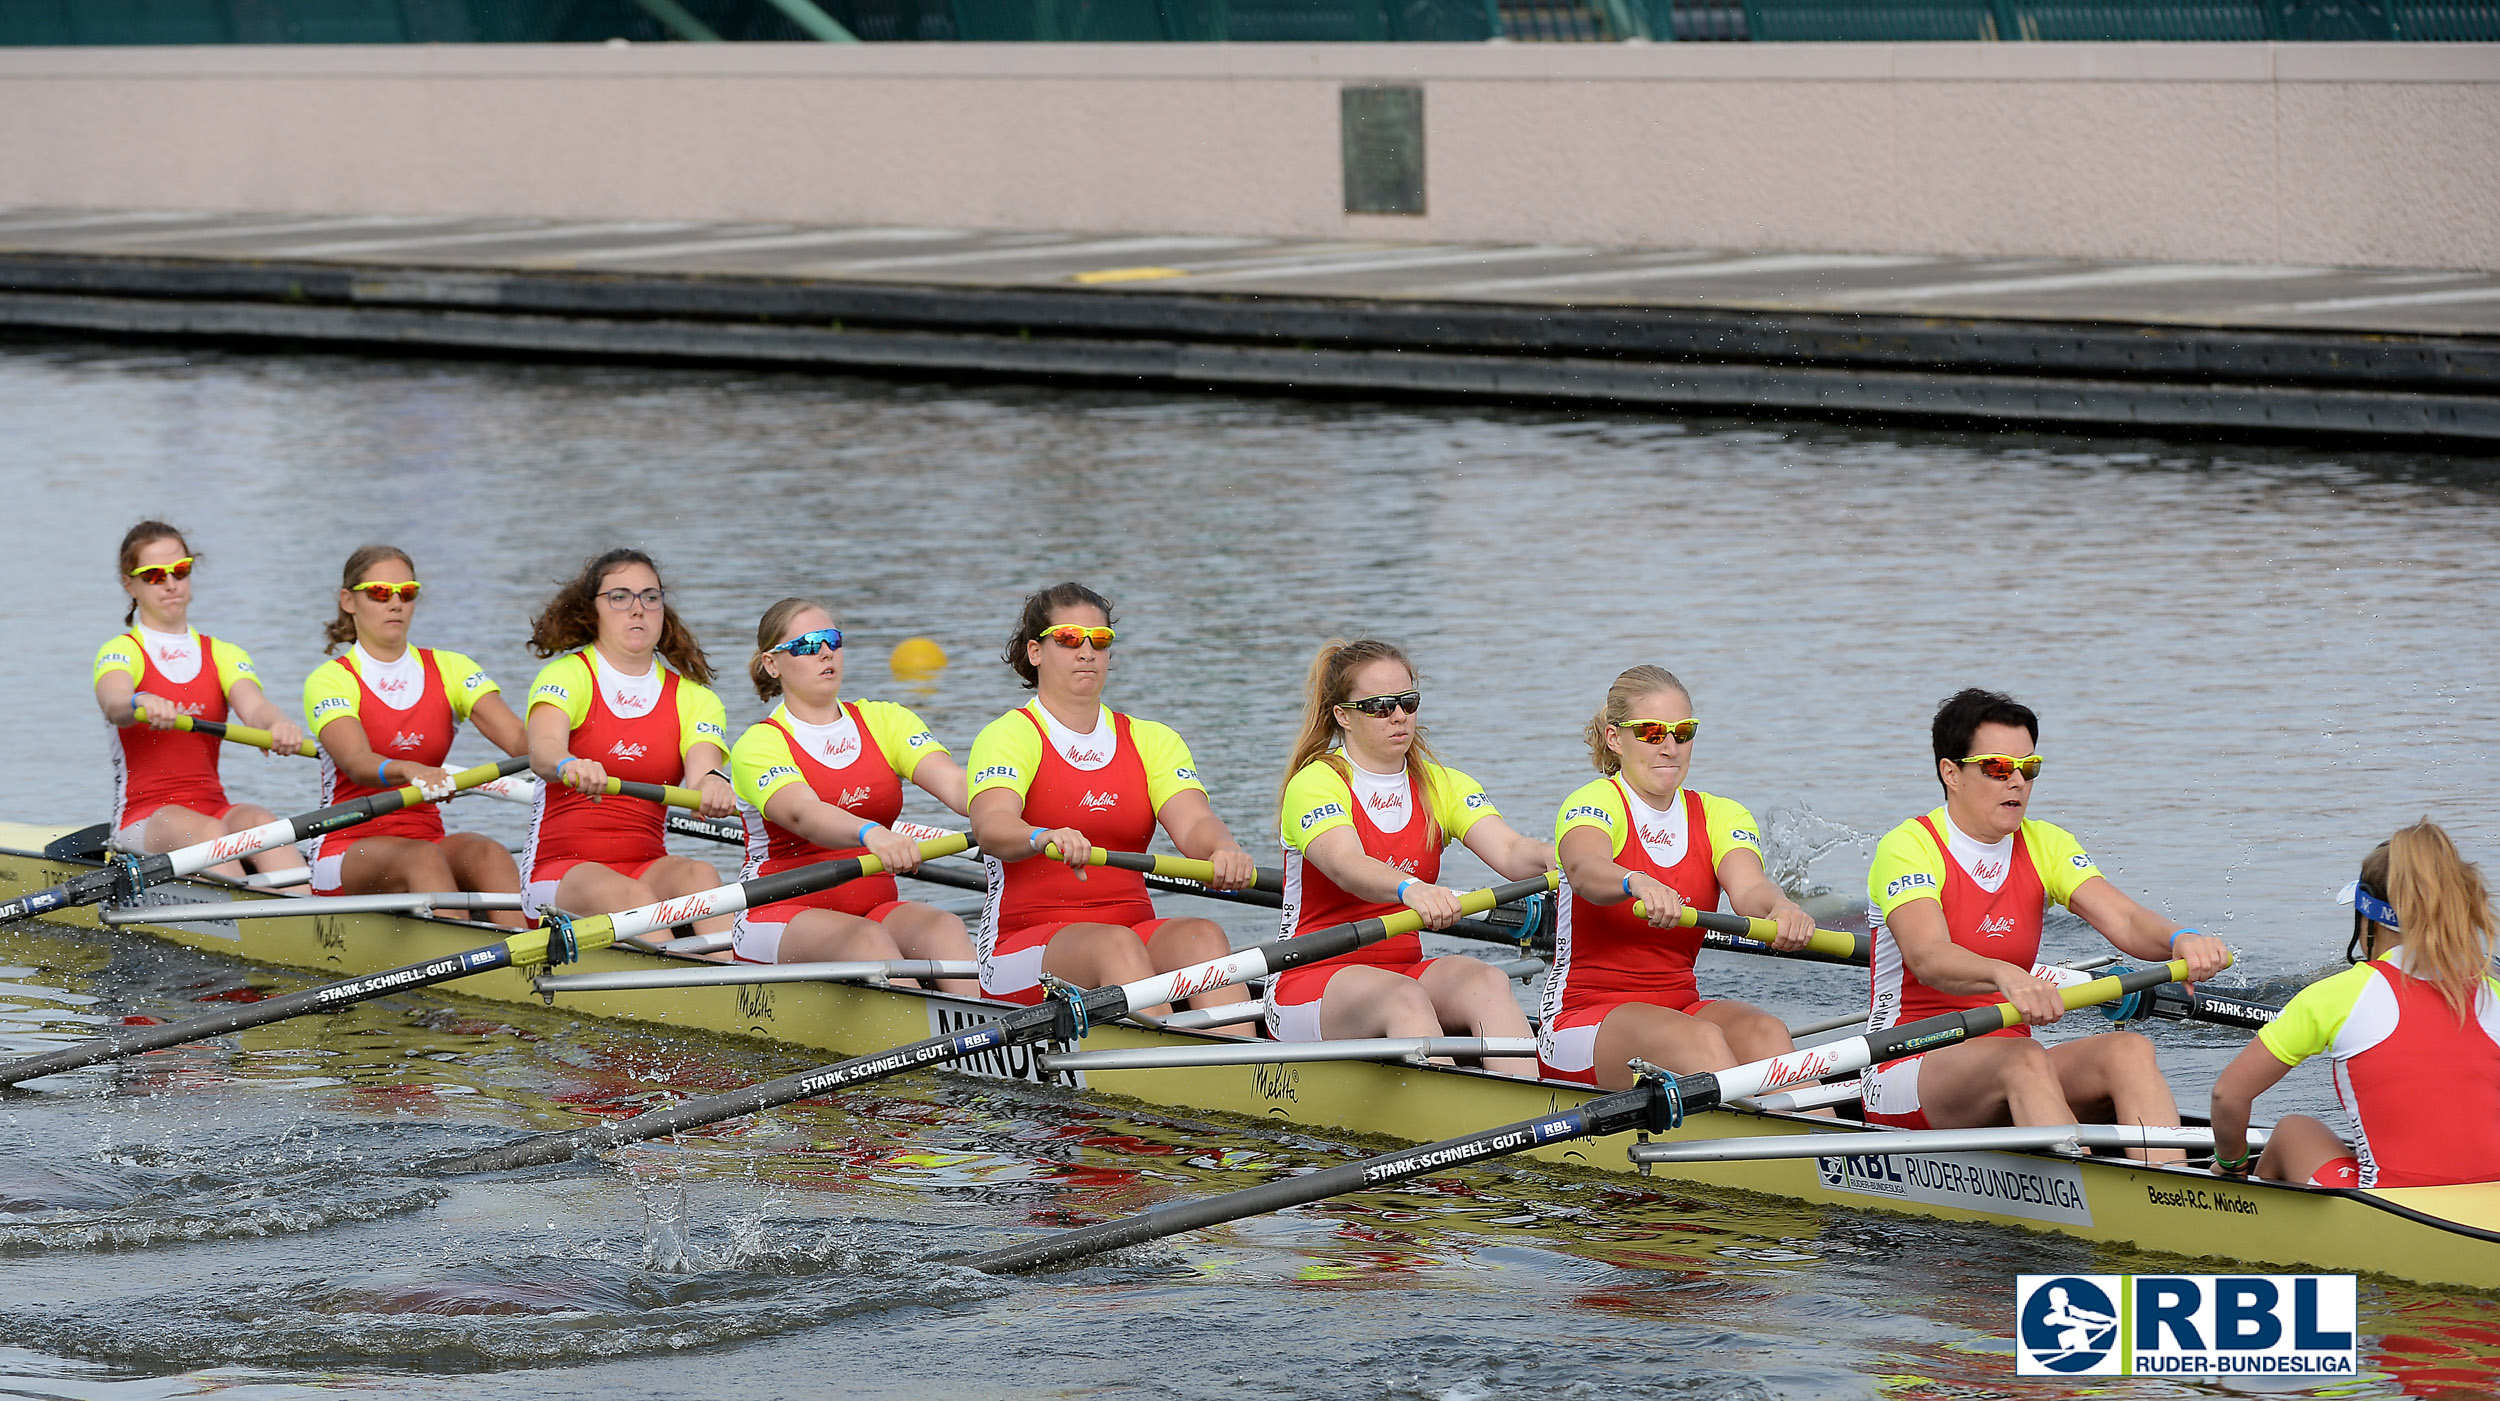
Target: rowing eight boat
x: 2437, y: 1235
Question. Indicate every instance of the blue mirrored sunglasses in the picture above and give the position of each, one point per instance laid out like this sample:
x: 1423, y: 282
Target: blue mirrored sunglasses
x: 808, y: 644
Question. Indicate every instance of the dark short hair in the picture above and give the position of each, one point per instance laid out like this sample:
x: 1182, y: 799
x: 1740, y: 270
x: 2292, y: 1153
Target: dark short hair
x: 1035, y: 615
x: 1966, y: 710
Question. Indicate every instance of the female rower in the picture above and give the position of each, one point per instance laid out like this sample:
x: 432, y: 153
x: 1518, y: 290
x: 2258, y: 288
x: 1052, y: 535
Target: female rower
x: 1622, y: 986
x: 385, y: 714
x: 821, y: 779
x: 606, y: 706
x: 2414, y: 1033
x: 166, y: 791
x: 1069, y: 771
x: 1366, y: 810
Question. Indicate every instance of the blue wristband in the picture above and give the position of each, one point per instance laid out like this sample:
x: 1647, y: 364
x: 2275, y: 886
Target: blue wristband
x: 383, y: 774
x: 560, y: 763
x: 1402, y: 885
x: 1036, y: 832
x: 2183, y: 929
x: 1627, y: 884
x: 864, y: 829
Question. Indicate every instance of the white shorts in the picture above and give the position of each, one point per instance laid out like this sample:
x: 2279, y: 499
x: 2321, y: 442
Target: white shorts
x: 328, y: 876
x: 131, y: 839
x: 1292, y: 1021
x: 755, y: 943
x: 1013, y: 975
x: 1892, y: 1090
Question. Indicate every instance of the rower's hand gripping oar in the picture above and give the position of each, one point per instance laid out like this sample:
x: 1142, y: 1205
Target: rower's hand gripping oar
x: 1658, y: 1104
x: 1831, y: 943
x: 1065, y: 1017
x: 1269, y: 878
x: 559, y: 941
x: 233, y: 733
x: 125, y: 876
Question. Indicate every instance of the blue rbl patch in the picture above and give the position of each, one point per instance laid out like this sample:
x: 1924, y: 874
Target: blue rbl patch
x: 552, y: 690
x: 1915, y: 880
x: 922, y: 738
x: 2082, y: 862
x: 1589, y: 810
x: 485, y: 958
x: 1561, y: 1126
x: 1744, y: 834
x: 980, y: 1040
x: 1321, y: 813
x: 1185, y: 774
x: 2218, y: 1326
x: 995, y: 771
x: 1478, y: 800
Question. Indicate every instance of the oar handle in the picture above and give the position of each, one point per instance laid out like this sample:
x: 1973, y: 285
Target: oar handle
x: 1763, y: 931
x: 232, y: 733
x: 666, y: 794
x: 1169, y: 867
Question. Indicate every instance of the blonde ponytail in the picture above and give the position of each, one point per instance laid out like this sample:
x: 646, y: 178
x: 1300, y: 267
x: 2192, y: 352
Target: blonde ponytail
x: 1630, y: 686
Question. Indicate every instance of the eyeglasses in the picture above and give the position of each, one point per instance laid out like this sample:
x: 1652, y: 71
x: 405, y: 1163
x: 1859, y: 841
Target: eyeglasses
x: 808, y: 644
x: 159, y: 573
x: 1656, y: 731
x: 1070, y: 636
x: 1378, y: 707
x: 382, y: 591
x: 2004, y: 766
x: 622, y: 599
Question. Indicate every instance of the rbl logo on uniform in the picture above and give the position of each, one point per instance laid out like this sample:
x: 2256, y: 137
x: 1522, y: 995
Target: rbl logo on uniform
x: 2185, y: 1325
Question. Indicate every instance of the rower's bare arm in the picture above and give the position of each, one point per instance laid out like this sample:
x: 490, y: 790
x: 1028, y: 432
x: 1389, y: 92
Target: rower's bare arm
x: 2253, y: 1072
x: 1751, y: 891
x: 942, y: 778
x: 252, y: 707
x: 1588, y: 862
x: 551, y: 744
x: 2134, y: 930
x: 706, y: 768
x: 1928, y: 950
x: 795, y: 807
x: 1511, y: 853
x: 999, y: 829
x: 352, y: 753
x: 1339, y: 854
x: 1202, y: 836
x: 495, y: 720
x: 116, y: 694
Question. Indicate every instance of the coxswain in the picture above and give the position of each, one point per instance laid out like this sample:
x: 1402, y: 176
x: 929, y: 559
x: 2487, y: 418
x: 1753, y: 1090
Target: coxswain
x: 624, y: 697
x: 821, y: 779
x: 1622, y: 985
x: 1066, y: 771
x: 2413, y: 1029
x: 1959, y: 896
x: 1366, y: 810
x: 385, y: 714
x: 166, y: 790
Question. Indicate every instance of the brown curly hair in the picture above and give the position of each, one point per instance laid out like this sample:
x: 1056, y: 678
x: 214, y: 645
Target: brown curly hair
x: 570, y: 621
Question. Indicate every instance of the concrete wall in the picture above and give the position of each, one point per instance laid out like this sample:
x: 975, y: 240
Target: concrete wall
x: 2345, y: 154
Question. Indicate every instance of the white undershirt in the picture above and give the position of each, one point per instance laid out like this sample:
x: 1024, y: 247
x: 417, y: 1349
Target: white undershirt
x: 835, y: 746
x: 630, y: 697
x: 1086, y: 750
x: 398, y: 684
x: 1383, y: 796
x: 175, y: 655
x: 1663, y: 831
x: 1986, y: 863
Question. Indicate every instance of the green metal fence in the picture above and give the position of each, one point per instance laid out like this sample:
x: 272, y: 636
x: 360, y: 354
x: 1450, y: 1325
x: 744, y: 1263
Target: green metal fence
x: 54, y: 22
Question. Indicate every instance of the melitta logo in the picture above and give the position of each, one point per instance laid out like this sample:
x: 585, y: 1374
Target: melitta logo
x: 1096, y: 802
x: 1085, y: 757
x: 1387, y: 802
x: 388, y: 685
x: 1988, y: 872
x: 1996, y: 926
x: 624, y: 750
x: 174, y: 654
x: 2220, y: 1326
x: 1656, y: 836
x: 1798, y: 1067
x: 1407, y: 865
x: 851, y: 797
x: 404, y: 740
x: 836, y: 748
x: 227, y: 848
x: 1915, y: 880
x: 683, y: 911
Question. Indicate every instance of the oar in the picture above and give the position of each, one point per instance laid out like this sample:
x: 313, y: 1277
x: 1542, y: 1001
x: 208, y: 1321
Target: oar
x: 568, y: 937
x: 126, y: 876
x: 1064, y: 1017
x: 2071, y: 1138
x: 234, y: 734
x: 1169, y: 867
x: 1659, y: 1103
x: 1828, y: 943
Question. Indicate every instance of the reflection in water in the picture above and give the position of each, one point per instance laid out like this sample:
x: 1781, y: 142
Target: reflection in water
x: 2253, y: 663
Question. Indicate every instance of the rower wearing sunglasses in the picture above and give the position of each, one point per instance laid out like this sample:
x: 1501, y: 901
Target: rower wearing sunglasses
x: 385, y: 714
x: 166, y: 788
x: 606, y: 706
x: 1069, y: 772
x: 1622, y: 985
x: 1959, y: 896
x: 821, y: 779
x: 2413, y: 1029
x: 1366, y: 810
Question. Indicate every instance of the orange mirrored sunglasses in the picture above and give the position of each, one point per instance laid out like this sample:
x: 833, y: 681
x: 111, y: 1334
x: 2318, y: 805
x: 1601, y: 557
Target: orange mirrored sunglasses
x: 159, y: 573
x: 1656, y: 731
x: 383, y: 591
x: 1071, y: 636
x: 2004, y: 766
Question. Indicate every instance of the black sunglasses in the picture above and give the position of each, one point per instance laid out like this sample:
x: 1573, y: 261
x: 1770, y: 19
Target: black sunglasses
x: 1378, y: 707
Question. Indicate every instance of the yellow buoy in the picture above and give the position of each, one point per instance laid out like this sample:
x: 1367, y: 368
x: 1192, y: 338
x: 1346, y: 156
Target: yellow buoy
x: 917, y: 659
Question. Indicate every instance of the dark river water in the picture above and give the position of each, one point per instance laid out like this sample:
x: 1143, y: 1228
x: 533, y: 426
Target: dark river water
x: 2252, y: 663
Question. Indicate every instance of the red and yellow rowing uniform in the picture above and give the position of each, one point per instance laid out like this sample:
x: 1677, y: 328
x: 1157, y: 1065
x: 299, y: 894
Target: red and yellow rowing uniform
x: 1397, y: 824
x: 1108, y: 784
x: 410, y: 710
x: 1994, y: 895
x: 2422, y: 1087
x: 858, y: 764
x: 638, y: 728
x: 152, y: 769
x: 1605, y: 955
